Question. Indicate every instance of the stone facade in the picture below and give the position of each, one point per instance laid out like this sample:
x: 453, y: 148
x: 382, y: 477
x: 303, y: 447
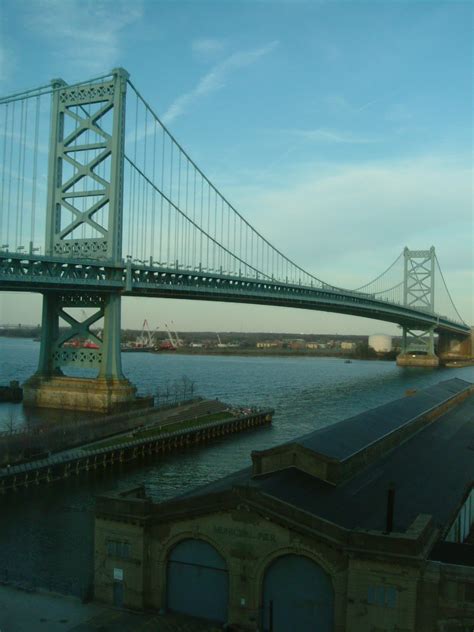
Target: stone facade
x: 312, y: 531
x: 250, y: 531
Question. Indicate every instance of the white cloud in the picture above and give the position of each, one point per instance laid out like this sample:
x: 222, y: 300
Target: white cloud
x: 85, y: 34
x: 349, y: 222
x: 215, y: 79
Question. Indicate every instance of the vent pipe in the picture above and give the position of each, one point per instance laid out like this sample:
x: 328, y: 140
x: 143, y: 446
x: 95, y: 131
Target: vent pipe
x: 390, y: 508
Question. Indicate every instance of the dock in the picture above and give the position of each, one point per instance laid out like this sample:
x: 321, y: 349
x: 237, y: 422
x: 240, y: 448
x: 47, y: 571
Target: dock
x: 124, y: 448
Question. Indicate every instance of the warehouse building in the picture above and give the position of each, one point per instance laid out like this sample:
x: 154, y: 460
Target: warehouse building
x: 361, y: 526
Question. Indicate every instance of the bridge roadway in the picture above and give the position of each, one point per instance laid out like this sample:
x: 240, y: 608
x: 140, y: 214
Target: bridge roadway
x: 39, y: 273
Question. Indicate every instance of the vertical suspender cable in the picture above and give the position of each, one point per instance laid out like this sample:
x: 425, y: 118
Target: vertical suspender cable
x: 228, y: 238
x: 145, y: 189
x: 134, y: 178
x: 221, y: 253
x: 153, y: 204
x: 12, y: 123
x: 162, y: 190
x: 177, y: 215
x: 169, y: 258
x: 35, y: 169
x: 208, y: 263
x: 23, y: 175
x: 186, y: 227
x: 19, y: 182
x: 235, y: 238
x: 194, y: 220
x: 4, y: 171
x: 216, y: 250
x: 200, y: 223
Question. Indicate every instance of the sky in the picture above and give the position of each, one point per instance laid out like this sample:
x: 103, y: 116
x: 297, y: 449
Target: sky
x: 343, y: 131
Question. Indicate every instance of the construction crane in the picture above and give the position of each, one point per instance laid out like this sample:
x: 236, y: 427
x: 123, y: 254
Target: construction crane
x: 145, y: 339
x: 170, y: 344
x: 220, y: 344
x: 177, y: 338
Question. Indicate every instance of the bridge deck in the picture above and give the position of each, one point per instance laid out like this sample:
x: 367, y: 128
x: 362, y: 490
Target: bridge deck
x: 39, y: 274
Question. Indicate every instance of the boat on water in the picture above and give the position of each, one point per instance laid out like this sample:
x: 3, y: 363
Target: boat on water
x: 77, y: 343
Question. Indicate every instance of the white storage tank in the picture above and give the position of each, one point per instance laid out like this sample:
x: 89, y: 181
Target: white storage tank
x: 381, y: 343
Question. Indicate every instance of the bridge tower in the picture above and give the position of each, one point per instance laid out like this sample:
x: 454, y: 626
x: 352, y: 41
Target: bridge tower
x: 84, y: 221
x: 418, y: 291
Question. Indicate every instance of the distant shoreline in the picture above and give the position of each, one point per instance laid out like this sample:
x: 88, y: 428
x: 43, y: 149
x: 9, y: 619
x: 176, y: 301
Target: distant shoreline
x: 262, y: 353
x: 244, y: 351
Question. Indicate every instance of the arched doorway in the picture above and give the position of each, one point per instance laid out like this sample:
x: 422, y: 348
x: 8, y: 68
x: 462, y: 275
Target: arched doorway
x: 297, y: 595
x: 197, y: 581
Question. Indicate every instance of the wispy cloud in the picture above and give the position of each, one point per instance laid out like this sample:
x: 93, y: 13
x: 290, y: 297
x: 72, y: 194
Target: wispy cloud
x: 86, y: 35
x: 322, y: 135
x: 216, y: 78
x: 206, y: 46
x: 339, y: 103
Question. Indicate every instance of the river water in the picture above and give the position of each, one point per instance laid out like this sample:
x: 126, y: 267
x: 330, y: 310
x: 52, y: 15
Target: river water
x: 46, y: 533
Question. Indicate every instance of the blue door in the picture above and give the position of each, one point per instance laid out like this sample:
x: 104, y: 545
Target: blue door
x: 118, y: 594
x: 197, y: 581
x: 297, y: 595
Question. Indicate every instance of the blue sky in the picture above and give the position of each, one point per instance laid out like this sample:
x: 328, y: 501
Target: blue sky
x: 342, y: 130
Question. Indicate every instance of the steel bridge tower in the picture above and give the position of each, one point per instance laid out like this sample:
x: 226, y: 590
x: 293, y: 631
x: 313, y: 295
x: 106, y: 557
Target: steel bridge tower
x: 84, y: 222
x: 418, y: 292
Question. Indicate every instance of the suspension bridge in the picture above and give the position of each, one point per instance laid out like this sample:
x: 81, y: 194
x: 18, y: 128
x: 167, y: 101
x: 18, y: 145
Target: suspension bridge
x: 100, y: 201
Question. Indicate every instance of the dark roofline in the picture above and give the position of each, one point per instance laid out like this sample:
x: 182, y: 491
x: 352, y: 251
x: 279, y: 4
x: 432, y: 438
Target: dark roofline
x: 390, y: 425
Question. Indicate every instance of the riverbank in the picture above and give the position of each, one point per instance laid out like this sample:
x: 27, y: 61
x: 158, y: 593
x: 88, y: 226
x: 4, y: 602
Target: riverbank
x: 271, y: 353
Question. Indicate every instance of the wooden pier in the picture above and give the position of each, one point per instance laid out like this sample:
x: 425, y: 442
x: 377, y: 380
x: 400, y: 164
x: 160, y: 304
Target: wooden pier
x: 73, y: 462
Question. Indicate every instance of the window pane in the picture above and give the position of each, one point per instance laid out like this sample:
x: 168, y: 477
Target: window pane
x: 391, y: 596
x: 371, y: 595
x: 380, y: 596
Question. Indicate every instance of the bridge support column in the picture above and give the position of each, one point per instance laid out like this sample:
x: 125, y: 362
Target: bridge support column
x: 418, y: 291
x: 418, y: 348
x: 84, y: 222
x: 79, y: 346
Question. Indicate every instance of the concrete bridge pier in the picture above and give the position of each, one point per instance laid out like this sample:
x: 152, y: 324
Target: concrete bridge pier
x: 421, y: 360
x: 456, y: 348
x: 50, y: 388
x: 418, y: 348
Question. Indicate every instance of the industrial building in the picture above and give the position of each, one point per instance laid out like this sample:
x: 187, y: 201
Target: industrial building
x: 381, y: 343
x: 365, y: 525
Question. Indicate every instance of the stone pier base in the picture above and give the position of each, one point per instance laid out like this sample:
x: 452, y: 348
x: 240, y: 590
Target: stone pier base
x: 71, y: 393
x: 408, y: 359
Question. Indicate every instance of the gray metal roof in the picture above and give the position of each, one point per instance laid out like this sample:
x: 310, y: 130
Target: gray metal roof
x: 430, y: 471
x: 343, y: 439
